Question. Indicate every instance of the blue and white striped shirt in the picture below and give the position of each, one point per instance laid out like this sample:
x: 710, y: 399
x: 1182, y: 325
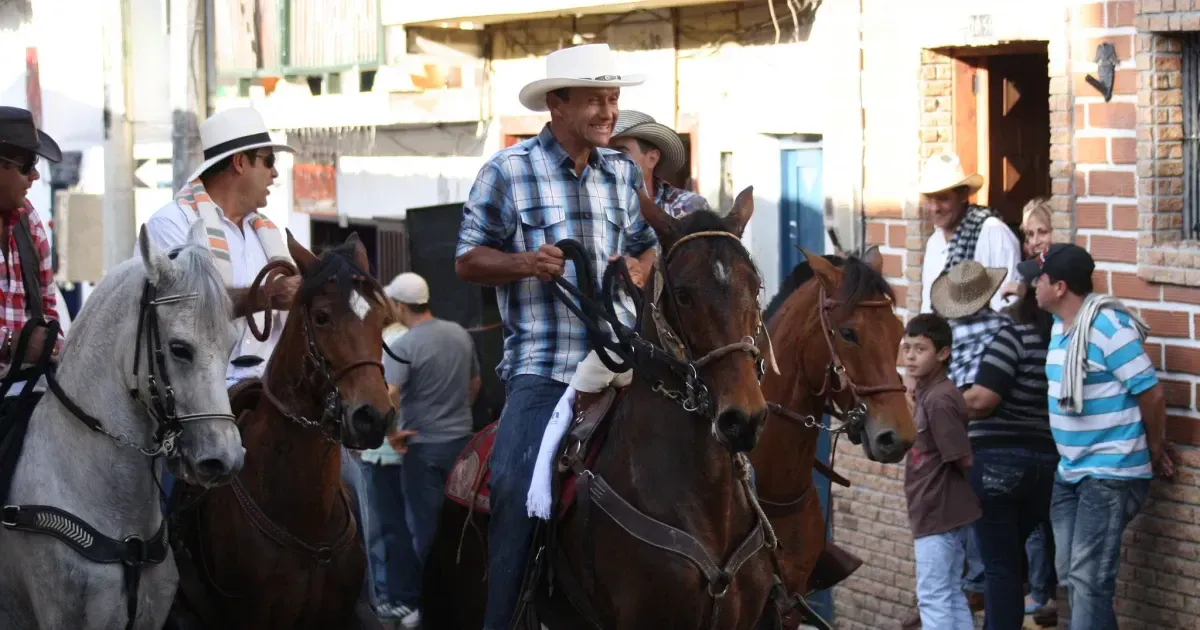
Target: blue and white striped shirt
x: 1107, y: 438
x: 528, y: 195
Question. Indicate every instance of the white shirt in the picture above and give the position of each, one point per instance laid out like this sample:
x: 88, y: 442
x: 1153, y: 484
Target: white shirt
x: 997, y: 247
x: 169, y: 228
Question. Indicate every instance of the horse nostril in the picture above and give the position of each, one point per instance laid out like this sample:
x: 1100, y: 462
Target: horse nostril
x: 213, y: 469
x: 886, y: 439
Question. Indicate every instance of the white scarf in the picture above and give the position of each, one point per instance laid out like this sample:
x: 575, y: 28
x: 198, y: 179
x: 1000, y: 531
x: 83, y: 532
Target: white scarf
x: 195, y: 197
x: 1071, y: 395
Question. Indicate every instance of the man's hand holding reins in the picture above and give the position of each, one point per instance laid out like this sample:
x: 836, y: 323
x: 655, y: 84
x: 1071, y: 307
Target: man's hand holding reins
x: 548, y: 262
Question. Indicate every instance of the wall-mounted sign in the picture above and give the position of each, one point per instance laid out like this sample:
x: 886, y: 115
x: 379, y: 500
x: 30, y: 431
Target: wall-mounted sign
x: 979, y: 26
x: 314, y: 188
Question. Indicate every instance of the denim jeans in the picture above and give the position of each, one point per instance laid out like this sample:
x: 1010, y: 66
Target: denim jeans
x: 389, y: 540
x: 974, y: 581
x: 940, y: 596
x: 1089, y: 518
x: 1013, y: 485
x: 352, y: 478
x: 424, y: 472
x: 530, y: 403
x: 1039, y: 549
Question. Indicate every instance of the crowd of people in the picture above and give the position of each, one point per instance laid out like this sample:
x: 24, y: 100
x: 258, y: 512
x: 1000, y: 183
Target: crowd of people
x: 1040, y: 419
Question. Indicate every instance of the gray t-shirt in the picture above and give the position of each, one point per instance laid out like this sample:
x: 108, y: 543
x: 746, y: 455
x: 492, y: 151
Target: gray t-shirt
x: 433, y: 389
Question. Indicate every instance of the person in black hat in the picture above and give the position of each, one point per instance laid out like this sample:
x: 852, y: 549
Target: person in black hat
x: 1108, y: 416
x: 27, y: 289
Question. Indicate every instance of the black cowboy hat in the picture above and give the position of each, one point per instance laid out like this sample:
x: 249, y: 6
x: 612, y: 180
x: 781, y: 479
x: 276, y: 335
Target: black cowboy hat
x: 17, y: 130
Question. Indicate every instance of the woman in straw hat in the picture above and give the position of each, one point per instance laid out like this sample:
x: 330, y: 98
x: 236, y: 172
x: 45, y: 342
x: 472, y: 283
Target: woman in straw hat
x: 659, y: 151
x: 965, y: 231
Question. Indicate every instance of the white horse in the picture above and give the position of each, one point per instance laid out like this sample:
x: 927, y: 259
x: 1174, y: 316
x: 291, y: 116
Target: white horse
x: 171, y: 312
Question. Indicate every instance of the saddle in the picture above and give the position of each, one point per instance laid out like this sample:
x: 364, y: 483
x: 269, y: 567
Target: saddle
x: 244, y: 396
x: 468, y: 481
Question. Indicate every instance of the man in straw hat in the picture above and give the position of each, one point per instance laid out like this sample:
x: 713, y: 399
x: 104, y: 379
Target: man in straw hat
x: 226, y: 192
x: 561, y: 184
x: 963, y: 230
x: 658, y: 150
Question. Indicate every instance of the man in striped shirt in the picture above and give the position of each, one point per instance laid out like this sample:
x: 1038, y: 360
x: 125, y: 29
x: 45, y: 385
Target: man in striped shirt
x: 1111, y: 435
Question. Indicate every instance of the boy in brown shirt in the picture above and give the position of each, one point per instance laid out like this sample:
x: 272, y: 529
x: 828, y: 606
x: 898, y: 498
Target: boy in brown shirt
x: 941, y: 503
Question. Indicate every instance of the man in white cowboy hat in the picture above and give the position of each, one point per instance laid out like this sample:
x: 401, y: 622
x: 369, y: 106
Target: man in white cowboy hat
x: 564, y: 183
x: 226, y: 193
x: 963, y: 230
x: 658, y: 150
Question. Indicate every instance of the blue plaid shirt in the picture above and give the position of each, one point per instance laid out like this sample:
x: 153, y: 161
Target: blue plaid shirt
x: 528, y: 195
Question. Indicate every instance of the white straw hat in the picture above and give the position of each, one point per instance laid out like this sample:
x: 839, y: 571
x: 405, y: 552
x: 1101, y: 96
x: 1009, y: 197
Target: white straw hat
x: 233, y: 131
x: 945, y: 171
x: 589, y: 65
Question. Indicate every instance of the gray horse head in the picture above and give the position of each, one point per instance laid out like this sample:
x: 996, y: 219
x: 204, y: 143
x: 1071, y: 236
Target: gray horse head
x: 195, y: 337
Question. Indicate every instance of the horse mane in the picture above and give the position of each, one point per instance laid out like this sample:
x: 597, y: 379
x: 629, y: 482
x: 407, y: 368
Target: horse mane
x: 860, y: 281
x: 200, y: 276
x: 337, y: 265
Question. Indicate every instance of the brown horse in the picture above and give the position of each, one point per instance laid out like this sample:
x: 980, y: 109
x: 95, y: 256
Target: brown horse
x: 837, y: 337
x: 278, y: 548
x: 663, y: 532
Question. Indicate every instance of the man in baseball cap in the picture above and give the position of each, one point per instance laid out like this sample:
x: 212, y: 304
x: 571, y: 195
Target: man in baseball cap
x: 1108, y: 417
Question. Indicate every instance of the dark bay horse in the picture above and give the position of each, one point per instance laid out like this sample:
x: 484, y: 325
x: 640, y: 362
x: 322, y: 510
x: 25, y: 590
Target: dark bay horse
x: 663, y: 532
x: 278, y: 548
x: 837, y: 339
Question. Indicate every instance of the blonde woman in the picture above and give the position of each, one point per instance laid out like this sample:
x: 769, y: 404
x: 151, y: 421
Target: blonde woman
x: 1038, y: 233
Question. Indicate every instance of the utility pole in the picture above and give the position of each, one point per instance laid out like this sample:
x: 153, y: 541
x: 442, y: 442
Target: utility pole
x: 189, y: 85
x: 119, y: 219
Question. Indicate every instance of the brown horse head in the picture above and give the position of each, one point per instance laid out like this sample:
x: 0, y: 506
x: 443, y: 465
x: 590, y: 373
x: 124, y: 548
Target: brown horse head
x: 851, y: 308
x: 706, y: 289
x: 340, y: 344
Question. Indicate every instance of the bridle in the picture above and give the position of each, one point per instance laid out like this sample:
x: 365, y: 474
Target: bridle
x: 317, y: 368
x: 160, y: 401
x: 672, y: 351
x: 838, y: 380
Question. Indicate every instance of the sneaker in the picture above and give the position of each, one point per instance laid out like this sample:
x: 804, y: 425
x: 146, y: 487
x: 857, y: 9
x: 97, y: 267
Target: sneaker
x: 412, y: 620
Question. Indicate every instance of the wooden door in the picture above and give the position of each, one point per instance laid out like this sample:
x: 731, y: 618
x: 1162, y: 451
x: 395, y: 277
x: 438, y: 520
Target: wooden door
x: 1019, y: 132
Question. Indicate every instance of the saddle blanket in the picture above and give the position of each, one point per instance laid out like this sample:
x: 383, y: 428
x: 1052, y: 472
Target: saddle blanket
x: 468, y: 481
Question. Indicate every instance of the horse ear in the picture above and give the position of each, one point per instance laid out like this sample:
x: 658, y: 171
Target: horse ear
x: 353, y: 239
x: 823, y: 270
x: 304, y: 258
x: 198, y: 234
x: 360, y: 253
x: 665, y: 226
x: 156, y: 264
x: 743, y: 209
x: 873, y: 257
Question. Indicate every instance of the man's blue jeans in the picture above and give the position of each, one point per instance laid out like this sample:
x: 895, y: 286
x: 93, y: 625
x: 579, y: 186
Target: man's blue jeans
x: 388, y: 539
x: 1013, y: 486
x: 1089, y: 518
x: 1039, y: 548
x: 425, y: 470
x: 530, y: 403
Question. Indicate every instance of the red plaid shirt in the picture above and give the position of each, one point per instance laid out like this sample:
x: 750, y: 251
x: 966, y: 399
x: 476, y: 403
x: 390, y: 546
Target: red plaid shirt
x: 12, y: 285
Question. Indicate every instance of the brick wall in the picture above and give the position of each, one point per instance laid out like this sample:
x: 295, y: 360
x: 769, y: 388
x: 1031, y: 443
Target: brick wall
x: 1116, y: 182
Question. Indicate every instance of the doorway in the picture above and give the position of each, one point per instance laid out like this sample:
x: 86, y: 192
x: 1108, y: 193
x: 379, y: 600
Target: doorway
x: 802, y: 205
x: 1002, y: 123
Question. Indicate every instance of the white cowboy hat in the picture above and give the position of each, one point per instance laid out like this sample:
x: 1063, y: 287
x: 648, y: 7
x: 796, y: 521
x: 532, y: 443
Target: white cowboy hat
x: 589, y: 65
x: 945, y: 171
x: 965, y: 289
x: 635, y: 124
x: 233, y: 131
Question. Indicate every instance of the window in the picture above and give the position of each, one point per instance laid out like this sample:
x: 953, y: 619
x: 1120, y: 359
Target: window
x: 1191, y: 135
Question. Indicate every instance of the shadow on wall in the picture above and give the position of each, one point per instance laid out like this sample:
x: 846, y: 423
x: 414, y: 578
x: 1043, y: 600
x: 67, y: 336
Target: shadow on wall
x: 14, y: 13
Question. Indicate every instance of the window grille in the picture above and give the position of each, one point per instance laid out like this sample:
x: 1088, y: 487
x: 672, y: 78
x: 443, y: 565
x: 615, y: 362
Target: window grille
x: 1191, y: 135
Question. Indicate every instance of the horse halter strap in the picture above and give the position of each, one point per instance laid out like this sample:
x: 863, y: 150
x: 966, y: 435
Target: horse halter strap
x: 837, y: 379
x: 161, y: 402
x: 697, y: 398
x: 332, y: 421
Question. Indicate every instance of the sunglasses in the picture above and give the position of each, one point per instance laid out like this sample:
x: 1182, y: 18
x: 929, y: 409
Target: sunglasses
x: 26, y: 166
x: 267, y: 160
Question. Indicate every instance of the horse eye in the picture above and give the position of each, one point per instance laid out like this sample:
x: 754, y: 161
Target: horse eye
x: 849, y: 335
x: 181, y: 351
x: 683, y: 297
x: 321, y: 318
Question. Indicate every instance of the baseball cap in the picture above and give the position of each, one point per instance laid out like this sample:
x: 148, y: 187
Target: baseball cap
x: 17, y: 130
x: 1064, y: 262
x: 408, y: 288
